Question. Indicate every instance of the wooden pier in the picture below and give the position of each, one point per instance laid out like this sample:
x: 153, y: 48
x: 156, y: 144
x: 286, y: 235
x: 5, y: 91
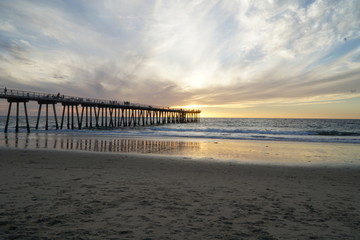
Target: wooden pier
x: 93, y: 113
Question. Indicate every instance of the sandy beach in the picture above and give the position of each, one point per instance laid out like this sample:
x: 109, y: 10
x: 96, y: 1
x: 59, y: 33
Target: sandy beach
x: 78, y: 195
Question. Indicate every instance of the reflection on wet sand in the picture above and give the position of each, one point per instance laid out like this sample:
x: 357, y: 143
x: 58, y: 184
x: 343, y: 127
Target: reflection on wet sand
x: 29, y: 141
x: 287, y: 153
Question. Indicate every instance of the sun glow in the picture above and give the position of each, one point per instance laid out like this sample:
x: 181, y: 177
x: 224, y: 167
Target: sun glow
x: 192, y: 106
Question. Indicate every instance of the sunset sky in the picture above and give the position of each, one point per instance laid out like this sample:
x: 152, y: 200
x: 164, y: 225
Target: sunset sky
x: 234, y: 58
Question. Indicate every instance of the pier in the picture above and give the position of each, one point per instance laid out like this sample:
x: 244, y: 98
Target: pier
x: 79, y: 112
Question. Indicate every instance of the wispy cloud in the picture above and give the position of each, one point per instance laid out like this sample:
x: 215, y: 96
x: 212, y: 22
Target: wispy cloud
x: 184, y: 52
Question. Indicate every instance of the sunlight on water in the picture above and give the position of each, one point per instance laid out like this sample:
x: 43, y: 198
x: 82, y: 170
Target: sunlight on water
x: 274, y: 141
x: 257, y: 152
x: 294, y: 130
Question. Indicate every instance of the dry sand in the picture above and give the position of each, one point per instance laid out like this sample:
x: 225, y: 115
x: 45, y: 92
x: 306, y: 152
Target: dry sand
x: 71, y: 195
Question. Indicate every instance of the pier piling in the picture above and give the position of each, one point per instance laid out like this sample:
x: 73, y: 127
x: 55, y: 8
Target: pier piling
x: 17, y: 101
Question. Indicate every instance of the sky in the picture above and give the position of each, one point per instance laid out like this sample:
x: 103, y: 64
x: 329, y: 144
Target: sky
x: 231, y: 58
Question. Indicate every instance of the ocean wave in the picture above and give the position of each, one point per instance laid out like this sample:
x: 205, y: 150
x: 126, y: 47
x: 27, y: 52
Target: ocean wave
x: 266, y: 132
x: 336, y: 133
x: 282, y: 138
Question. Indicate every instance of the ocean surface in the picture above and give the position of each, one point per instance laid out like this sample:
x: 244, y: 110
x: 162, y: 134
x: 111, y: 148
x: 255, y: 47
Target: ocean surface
x: 291, y: 130
x: 305, y: 142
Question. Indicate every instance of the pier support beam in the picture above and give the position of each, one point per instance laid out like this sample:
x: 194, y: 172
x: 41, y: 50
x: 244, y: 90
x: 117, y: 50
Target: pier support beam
x: 17, y: 101
x: 27, y: 118
x: 47, y: 114
x: 8, y: 117
x: 55, y: 116
x: 38, y: 117
x: 66, y: 106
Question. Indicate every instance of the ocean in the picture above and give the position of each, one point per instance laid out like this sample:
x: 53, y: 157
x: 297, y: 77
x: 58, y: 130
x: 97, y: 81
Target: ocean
x: 250, y: 129
x: 305, y: 142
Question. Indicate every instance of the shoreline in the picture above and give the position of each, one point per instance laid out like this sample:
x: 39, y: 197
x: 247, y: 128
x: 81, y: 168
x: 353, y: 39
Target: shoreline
x: 64, y: 194
x: 240, y: 151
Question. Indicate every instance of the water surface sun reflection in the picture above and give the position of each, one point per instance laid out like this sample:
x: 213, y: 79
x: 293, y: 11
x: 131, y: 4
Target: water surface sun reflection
x: 254, y: 152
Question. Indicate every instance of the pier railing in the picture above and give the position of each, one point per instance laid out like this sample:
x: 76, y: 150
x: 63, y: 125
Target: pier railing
x: 58, y: 97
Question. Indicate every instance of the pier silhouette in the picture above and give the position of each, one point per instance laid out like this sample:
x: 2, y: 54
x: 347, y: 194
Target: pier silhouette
x: 93, y: 113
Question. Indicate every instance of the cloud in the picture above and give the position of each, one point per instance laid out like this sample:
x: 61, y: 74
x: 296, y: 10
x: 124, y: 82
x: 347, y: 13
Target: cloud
x: 183, y: 52
x: 6, y: 26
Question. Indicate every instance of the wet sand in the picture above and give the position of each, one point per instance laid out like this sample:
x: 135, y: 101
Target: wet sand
x: 79, y: 195
x: 260, y: 152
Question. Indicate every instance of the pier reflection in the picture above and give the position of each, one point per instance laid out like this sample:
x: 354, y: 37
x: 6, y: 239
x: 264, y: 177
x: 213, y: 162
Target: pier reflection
x: 92, y: 144
x: 279, y: 153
